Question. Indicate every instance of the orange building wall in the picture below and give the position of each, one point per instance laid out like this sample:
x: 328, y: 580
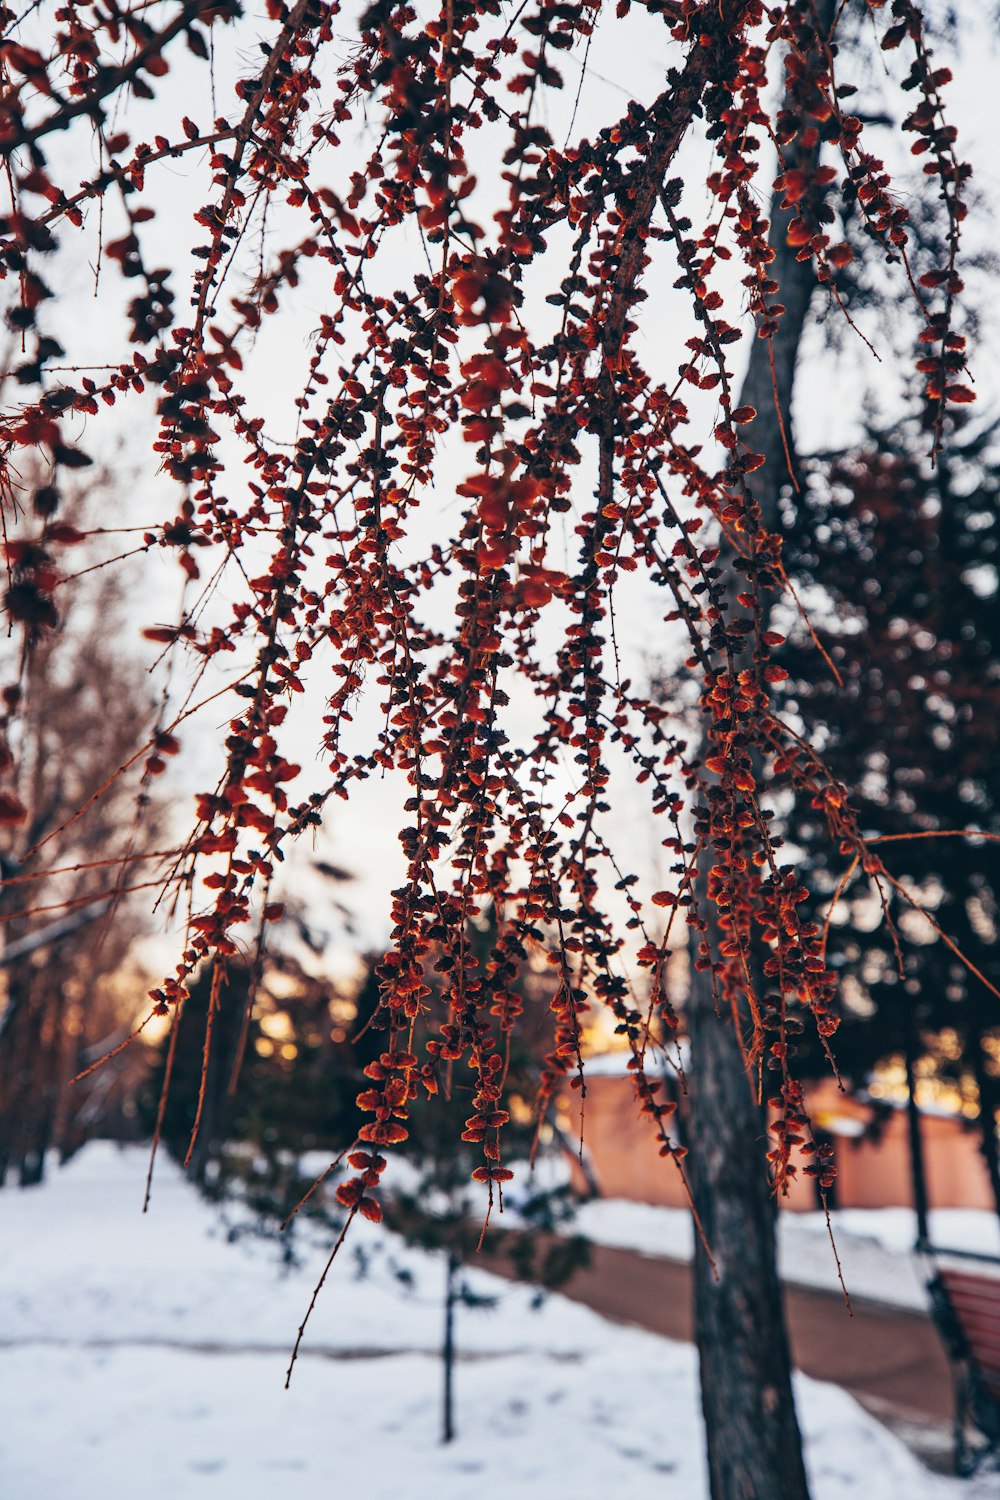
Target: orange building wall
x: 624, y: 1154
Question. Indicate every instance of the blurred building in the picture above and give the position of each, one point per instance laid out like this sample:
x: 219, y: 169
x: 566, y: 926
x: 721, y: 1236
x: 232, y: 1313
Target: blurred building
x: 869, y: 1136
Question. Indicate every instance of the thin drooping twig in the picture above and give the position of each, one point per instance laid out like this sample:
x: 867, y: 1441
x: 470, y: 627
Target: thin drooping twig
x: 218, y: 981
x: 161, y: 1104
x: 316, y: 1291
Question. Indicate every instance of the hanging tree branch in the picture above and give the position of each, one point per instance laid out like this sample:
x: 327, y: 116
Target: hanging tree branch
x: 338, y: 539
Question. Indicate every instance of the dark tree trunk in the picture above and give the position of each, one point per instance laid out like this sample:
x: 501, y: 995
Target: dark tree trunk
x: 448, y: 1349
x: 988, y: 1100
x: 754, y: 1445
x: 32, y: 1049
x: 22, y: 1075
x: 918, y: 1171
x: 33, y: 1166
x: 11, y: 1024
x: 49, y: 1080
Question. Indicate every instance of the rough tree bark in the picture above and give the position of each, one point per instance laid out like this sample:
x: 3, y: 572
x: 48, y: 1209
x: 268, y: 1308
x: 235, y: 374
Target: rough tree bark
x: 754, y: 1445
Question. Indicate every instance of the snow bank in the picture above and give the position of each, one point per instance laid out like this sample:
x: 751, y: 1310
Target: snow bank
x: 82, y: 1263
x: 145, y: 1356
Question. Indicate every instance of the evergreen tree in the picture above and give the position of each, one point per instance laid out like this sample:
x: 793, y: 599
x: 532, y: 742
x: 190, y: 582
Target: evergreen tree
x: 277, y: 1088
x: 273, y: 1091
x: 906, y: 554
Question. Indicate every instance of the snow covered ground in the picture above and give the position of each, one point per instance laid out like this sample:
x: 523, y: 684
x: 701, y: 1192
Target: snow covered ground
x: 875, y: 1245
x: 143, y: 1358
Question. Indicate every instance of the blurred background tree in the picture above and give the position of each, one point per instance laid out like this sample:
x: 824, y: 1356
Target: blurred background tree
x: 289, y: 1051
x: 70, y: 984
x: 898, y: 559
x: 277, y: 1086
